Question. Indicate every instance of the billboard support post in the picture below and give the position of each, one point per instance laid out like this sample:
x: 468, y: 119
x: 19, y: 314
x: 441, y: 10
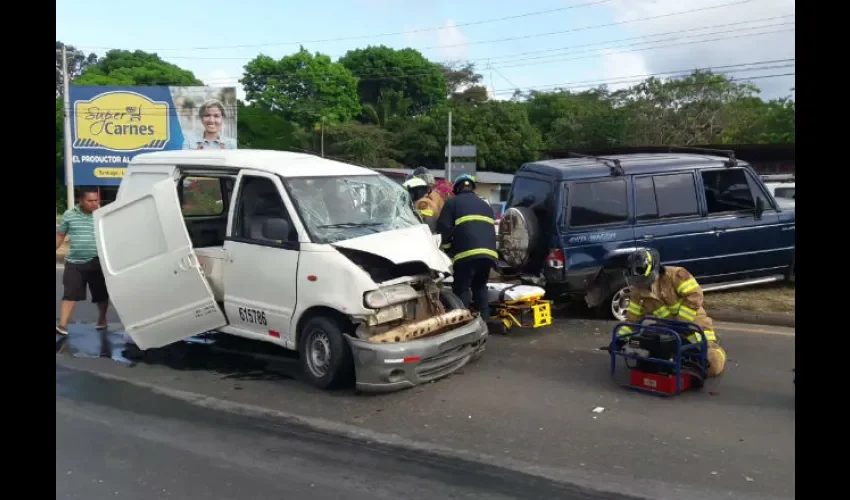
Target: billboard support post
x: 66, y: 112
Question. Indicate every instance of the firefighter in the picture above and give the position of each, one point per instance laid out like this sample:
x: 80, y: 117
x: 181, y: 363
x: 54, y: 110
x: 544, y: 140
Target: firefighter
x: 422, y: 204
x: 431, y: 200
x: 670, y: 292
x: 466, y: 227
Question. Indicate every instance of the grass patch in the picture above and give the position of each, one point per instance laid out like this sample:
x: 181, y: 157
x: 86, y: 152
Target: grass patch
x: 777, y: 298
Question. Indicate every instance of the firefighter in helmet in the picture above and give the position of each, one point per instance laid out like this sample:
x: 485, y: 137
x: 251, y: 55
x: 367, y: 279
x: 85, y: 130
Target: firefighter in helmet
x: 670, y: 292
x: 466, y: 227
x: 422, y: 204
x: 431, y: 199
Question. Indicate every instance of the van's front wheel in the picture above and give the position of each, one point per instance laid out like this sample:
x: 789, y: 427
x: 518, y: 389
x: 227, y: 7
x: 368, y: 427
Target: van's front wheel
x: 324, y: 354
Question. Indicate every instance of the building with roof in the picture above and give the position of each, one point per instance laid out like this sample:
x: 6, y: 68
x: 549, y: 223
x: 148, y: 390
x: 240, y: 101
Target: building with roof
x: 492, y: 186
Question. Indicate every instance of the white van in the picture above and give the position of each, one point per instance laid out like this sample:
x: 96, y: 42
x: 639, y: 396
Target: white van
x: 308, y: 253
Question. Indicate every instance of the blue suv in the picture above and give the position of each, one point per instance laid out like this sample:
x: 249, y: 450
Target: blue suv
x: 570, y: 223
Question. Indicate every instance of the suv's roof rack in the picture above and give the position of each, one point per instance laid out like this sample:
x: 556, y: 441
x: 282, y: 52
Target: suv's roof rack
x: 733, y: 162
x: 612, y: 163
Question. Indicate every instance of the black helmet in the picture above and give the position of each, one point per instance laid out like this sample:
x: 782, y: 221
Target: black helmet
x: 644, y: 267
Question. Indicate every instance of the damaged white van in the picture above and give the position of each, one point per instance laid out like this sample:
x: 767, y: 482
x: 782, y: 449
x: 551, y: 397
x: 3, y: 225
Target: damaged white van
x: 315, y: 255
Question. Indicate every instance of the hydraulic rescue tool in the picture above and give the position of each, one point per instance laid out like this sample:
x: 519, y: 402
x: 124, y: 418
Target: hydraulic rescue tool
x: 664, y: 362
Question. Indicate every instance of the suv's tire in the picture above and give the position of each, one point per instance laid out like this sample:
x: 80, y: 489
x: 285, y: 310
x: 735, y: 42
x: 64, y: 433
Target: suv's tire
x: 519, y: 234
x: 325, y: 356
x: 616, y: 302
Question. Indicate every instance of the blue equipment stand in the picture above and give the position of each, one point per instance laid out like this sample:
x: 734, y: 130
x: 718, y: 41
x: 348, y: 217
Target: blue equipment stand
x: 677, y: 329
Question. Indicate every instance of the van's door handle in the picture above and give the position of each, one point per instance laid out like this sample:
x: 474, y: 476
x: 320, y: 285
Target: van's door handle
x: 648, y: 236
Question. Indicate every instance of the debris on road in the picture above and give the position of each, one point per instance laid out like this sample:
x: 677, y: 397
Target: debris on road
x: 598, y: 409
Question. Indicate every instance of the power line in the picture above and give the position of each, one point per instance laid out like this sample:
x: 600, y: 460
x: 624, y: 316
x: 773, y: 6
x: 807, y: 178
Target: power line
x: 378, y: 35
x: 523, y: 37
x: 635, y: 79
x: 383, y: 76
x: 522, y: 54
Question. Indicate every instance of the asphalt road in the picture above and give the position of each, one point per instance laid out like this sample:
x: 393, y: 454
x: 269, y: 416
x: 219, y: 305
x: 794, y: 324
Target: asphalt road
x: 115, y: 440
x: 526, y: 406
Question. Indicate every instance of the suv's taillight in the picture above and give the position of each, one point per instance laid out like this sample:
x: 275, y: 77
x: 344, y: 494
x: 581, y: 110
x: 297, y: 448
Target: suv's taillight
x: 556, y: 259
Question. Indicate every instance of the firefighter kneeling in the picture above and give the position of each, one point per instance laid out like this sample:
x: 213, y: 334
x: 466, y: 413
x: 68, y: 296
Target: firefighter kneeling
x: 670, y: 292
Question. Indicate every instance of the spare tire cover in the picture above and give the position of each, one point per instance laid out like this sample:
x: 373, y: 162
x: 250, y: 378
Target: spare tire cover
x: 518, y: 235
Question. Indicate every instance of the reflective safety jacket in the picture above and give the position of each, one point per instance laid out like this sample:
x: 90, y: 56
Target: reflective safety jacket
x: 675, y: 295
x: 429, y: 207
x: 467, y: 228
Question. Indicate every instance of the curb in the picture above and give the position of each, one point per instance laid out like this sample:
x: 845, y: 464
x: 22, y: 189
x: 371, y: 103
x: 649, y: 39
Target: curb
x: 753, y: 317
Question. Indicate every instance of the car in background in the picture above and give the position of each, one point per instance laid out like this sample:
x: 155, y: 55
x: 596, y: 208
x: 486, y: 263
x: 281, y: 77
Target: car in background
x: 498, y: 211
x: 780, y: 186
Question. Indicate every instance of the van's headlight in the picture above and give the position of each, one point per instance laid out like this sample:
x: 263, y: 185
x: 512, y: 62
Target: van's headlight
x: 383, y: 297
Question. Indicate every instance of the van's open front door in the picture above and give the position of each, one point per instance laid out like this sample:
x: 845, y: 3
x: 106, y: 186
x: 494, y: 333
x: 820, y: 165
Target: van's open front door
x: 151, y: 270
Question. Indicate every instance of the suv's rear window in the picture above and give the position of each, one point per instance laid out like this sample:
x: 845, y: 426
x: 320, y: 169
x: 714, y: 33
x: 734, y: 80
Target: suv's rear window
x: 598, y: 202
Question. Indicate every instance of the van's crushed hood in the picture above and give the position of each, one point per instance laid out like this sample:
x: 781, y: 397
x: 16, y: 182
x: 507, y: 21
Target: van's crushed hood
x: 413, y: 244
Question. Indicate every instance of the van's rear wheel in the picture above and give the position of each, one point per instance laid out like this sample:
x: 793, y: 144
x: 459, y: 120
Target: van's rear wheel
x: 325, y: 357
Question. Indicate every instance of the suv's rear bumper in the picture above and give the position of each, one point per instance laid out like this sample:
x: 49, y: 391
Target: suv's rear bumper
x: 395, y: 366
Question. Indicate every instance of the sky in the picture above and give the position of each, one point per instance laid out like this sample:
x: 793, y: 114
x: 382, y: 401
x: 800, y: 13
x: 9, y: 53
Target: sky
x: 533, y: 45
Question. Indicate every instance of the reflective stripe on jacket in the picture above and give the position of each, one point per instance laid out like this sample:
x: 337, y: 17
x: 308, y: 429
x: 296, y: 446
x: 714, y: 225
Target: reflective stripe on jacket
x: 674, y: 295
x: 467, y: 229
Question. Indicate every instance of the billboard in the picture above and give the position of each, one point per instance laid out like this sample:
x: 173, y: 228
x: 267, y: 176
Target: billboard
x: 110, y: 125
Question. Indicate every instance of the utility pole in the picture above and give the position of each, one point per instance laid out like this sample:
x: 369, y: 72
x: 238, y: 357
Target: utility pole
x: 323, y: 137
x: 449, y: 155
x: 69, y: 166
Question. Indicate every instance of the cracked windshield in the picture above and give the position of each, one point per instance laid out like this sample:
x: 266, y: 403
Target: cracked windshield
x: 342, y: 208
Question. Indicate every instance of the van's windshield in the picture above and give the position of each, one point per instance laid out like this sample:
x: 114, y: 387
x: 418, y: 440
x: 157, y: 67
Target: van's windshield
x: 341, y: 208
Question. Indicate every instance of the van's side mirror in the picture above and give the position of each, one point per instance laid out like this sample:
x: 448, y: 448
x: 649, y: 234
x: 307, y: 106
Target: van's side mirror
x: 276, y: 229
x: 759, y: 206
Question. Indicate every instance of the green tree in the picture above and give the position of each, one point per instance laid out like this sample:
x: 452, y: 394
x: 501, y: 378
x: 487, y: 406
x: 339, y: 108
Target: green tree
x: 463, y: 83
x: 302, y: 88
x: 386, y: 73
x: 122, y: 67
x: 753, y: 121
x: 78, y: 62
x: 367, y: 145
x: 583, y: 119
x: 260, y: 128
x: 685, y: 111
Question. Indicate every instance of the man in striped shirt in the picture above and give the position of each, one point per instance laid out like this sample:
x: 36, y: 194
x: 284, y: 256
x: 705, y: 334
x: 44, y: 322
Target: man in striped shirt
x: 82, y: 267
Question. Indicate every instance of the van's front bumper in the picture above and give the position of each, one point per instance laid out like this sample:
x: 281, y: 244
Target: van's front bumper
x: 401, y: 365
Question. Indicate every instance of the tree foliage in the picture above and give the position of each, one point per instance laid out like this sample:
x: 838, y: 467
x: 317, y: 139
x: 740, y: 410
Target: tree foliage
x: 379, y: 106
x: 303, y: 88
x: 122, y: 67
x: 403, y: 81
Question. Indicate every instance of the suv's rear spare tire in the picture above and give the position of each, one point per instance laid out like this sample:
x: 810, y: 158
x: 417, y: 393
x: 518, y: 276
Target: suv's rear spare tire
x: 519, y: 232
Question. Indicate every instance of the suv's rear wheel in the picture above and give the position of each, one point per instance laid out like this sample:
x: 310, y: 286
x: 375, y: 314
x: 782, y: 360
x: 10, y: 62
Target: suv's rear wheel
x: 616, y: 302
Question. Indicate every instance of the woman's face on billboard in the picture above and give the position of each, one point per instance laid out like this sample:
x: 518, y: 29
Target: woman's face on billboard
x: 212, y: 120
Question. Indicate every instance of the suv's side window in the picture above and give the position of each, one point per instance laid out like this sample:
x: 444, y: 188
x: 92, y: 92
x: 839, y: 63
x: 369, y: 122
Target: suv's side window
x: 259, y: 202
x: 727, y: 190
x: 665, y: 196
x: 598, y: 202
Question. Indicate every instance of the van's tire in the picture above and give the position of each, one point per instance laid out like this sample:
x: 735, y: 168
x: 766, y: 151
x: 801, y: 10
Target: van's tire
x: 324, y: 354
x: 519, y: 236
x: 450, y: 300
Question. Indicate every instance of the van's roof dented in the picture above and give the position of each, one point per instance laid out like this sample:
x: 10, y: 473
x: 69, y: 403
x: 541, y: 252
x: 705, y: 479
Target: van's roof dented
x: 283, y: 163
